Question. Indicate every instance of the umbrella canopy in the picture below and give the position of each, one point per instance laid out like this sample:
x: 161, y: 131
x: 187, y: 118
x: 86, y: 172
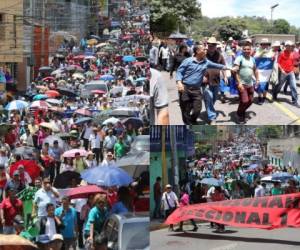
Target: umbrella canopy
x: 52, y: 93
x: 79, y: 57
x: 78, y: 76
x: 282, y: 176
x: 135, y: 122
x: 98, y: 92
x: 141, y: 79
x: 123, y: 112
x: 111, y: 120
x: 16, y: 105
x: 83, y: 120
x: 83, y: 112
x: 107, y: 176
x: 84, y: 191
x: 100, y: 45
x: 71, y: 153
x: 129, y: 59
x: 116, y: 90
x: 139, y: 158
x: 39, y: 97
x: 107, y: 78
x: 211, y: 181
x: 66, y: 92
x: 90, y: 58
x: 66, y: 136
x: 74, y: 68
x: 40, y: 105
x: 90, y: 74
x: 141, y: 58
x: 30, y: 166
x: 138, y: 63
x: 52, y: 138
x: 48, y: 78
x: 45, y: 69
x: 54, y: 101
x: 25, y: 152
x: 50, y: 126
x: 57, y: 72
x: 15, y: 242
x: 64, y: 179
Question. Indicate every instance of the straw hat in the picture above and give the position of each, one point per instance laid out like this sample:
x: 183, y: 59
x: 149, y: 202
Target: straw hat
x: 212, y: 40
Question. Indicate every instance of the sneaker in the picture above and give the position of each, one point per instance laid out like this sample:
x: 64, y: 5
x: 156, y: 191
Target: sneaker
x: 274, y: 98
x: 296, y: 104
x: 195, y: 229
x: 241, y: 120
x: 260, y: 101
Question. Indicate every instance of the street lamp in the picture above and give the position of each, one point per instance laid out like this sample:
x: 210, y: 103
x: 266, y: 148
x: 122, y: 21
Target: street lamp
x: 272, y: 9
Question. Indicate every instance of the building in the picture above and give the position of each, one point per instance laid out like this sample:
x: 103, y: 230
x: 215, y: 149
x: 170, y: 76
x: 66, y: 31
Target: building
x: 171, y: 146
x: 273, y: 37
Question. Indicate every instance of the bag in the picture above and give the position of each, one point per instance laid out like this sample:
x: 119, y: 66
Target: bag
x: 171, y: 209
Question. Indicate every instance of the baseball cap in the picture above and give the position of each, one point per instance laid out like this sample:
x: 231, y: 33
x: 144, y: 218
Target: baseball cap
x: 168, y: 186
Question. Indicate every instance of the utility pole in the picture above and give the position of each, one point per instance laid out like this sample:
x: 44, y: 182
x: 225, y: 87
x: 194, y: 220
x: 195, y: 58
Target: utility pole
x: 272, y: 9
x: 175, y: 171
x: 163, y: 156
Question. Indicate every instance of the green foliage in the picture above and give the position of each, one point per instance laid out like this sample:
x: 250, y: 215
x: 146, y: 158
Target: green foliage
x: 231, y: 28
x: 202, y: 149
x: 281, y: 26
x: 266, y: 132
x: 167, y: 14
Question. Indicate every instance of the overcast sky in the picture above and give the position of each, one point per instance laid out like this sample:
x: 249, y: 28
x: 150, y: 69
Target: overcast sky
x: 287, y: 9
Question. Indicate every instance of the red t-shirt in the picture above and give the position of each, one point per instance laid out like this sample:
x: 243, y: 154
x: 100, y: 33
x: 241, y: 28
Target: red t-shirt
x: 11, y: 210
x: 286, y: 61
x: 3, y: 180
x: 112, y: 198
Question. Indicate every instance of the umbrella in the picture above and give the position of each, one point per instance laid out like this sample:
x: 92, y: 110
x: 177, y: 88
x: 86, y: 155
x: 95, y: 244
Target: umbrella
x: 50, y: 126
x: 141, y: 79
x: 52, y: 93
x: 64, y: 179
x: 39, y: 97
x: 40, y: 105
x: 211, y: 181
x: 138, y: 63
x: 66, y: 136
x: 78, y: 76
x: 141, y: 58
x: 90, y: 58
x: 57, y: 72
x: 111, y: 120
x: 203, y: 159
x: 79, y: 57
x: 90, y: 74
x: 66, y: 92
x: 107, y: 176
x: 129, y: 59
x: 74, y: 68
x: 269, y: 178
x: 45, y: 69
x: 25, y: 152
x: 116, y: 90
x: 83, y: 120
x: 98, y: 92
x: 54, y: 101
x: 95, y: 37
x: 15, y: 242
x: 48, y: 78
x: 107, y: 78
x: 123, y: 112
x: 135, y: 122
x: 83, y: 112
x: 282, y: 176
x: 71, y: 153
x: 84, y: 191
x: 100, y: 45
x: 128, y: 37
x: 30, y: 166
x: 16, y: 105
x: 51, y: 138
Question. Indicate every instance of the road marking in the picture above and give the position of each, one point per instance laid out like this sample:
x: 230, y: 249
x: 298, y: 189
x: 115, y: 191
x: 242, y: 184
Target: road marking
x: 292, y: 115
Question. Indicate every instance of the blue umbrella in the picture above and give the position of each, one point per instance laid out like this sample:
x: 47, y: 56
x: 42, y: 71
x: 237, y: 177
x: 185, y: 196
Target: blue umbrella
x: 16, y: 105
x: 83, y: 120
x: 253, y: 166
x: 211, y: 181
x: 107, y: 78
x: 107, y: 176
x: 129, y: 59
x: 282, y: 176
x: 39, y: 97
x: 141, y: 79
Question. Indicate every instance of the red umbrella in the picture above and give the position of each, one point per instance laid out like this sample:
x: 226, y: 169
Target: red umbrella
x: 30, y: 166
x: 80, y: 57
x: 48, y: 78
x: 84, y: 191
x: 84, y: 112
x: 139, y: 63
x: 52, y: 93
x: 98, y: 91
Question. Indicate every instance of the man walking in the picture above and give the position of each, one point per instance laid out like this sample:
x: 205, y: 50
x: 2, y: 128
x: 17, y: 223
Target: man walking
x: 189, y: 80
x: 95, y: 144
x: 157, y: 198
x: 245, y: 69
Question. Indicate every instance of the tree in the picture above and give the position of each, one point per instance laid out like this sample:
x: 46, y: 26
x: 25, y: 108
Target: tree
x: 170, y: 12
x: 231, y: 28
x: 281, y: 26
x: 266, y: 132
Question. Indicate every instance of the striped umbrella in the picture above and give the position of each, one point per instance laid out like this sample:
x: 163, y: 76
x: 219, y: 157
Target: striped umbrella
x: 16, y: 105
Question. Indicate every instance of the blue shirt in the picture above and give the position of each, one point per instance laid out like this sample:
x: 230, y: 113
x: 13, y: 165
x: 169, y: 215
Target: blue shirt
x: 69, y: 220
x: 191, y: 71
x: 118, y: 208
x: 96, y: 217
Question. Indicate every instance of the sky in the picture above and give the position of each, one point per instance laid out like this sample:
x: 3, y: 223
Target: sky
x: 287, y: 9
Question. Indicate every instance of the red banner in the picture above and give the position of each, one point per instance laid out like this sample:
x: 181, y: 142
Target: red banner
x: 267, y: 212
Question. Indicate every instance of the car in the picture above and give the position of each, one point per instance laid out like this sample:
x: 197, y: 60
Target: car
x: 127, y: 232
x: 86, y: 91
x: 141, y: 143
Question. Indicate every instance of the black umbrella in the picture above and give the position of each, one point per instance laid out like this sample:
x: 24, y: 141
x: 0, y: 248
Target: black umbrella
x: 66, y: 136
x: 141, y: 58
x: 26, y: 152
x: 45, y: 69
x: 123, y: 113
x: 64, y: 179
x: 66, y: 92
x: 135, y: 122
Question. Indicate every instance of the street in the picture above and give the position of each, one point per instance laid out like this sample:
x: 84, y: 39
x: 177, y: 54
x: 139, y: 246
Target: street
x: 277, y: 113
x: 232, y: 238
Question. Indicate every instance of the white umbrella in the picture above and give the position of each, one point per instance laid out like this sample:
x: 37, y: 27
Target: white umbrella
x: 111, y: 120
x: 54, y: 101
x: 78, y: 75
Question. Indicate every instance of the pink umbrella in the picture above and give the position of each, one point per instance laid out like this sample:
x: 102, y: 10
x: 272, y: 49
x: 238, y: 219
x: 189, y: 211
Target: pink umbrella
x: 84, y: 112
x: 84, y: 191
x: 48, y: 78
x: 98, y: 91
x: 71, y: 153
x: 40, y: 105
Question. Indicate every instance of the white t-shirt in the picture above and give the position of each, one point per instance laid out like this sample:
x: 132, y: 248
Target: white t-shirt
x: 95, y: 141
x: 50, y: 228
x: 87, y: 133
x: 259, y: 191
x: 171, y: 197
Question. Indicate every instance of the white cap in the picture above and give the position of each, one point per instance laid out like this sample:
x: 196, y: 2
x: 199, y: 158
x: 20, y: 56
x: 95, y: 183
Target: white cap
x: 288, y: 43
x: 276, y: 44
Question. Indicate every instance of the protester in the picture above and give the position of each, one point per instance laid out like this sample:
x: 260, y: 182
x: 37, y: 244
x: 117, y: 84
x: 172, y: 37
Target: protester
x: 157, y: 198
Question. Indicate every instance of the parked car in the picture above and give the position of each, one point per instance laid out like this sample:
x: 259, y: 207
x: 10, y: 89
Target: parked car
x: 127, y: 232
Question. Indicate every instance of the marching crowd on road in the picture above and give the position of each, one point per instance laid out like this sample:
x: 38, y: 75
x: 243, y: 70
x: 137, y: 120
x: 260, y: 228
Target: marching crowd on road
x: 239, y: 67
x: 236, y: 171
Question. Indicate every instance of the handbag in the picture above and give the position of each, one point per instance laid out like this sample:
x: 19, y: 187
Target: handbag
x: 171, y: 209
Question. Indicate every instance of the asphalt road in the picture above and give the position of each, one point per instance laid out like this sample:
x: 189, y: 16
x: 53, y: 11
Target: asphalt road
x: 231, y: 239
x: 276, y: 113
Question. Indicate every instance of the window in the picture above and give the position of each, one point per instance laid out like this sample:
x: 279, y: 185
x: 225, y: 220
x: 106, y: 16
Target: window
x: 2, y: 26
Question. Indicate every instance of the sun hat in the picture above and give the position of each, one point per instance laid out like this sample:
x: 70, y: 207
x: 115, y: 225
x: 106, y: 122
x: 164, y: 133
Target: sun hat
x: 212, y: 40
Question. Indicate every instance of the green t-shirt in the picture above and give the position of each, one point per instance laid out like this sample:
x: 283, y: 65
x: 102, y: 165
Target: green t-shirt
x: 246, y: 69
x: 276, y: 191
x: 120, y: 149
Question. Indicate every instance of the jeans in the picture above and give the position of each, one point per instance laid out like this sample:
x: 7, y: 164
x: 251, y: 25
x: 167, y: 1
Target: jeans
x: 210, y: 95
x: 246, y: 99
x: 157, y: 212
x: 190, y: 99
x: 8, y: 230
x: 291, y: 80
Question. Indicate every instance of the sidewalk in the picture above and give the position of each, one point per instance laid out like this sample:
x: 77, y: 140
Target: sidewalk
x: 158, y: 224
